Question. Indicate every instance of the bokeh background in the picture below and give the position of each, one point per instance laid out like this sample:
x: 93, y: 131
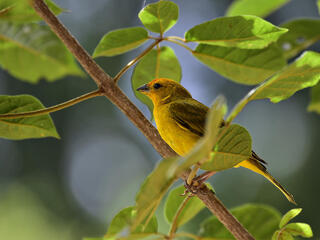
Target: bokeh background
x: 71, y: 188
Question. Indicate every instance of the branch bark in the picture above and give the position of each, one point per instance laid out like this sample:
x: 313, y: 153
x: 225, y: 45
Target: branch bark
x: 117, y: 97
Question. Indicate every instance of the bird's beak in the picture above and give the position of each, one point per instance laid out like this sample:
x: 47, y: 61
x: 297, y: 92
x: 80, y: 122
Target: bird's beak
x: 143, y: 88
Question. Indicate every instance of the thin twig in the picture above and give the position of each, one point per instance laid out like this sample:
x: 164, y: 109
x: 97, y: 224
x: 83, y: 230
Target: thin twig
x: 116, y: 96
x: 53, y: 108
x: 177, y: 38
x: 174, y: 224
x: 136, y: 59
x: 178, y: 43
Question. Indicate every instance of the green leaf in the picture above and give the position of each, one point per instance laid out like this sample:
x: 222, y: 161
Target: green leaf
x: 282, y: 235
x: 201, y: 151
x: 120, y: 41
x: 161, y: 63
x: 302, y: 34
x: 31, y: 52
x: 124, y: 220
x: 159, y: 17
x: 245, y: 66
x: 303, y: 73
x: 260, y: 220
x: 299, y: 229
x: 22, y: 128
x: 314, y: 105
x: 248, y: 32
x: 318, y: 4
x: 153, y: 190
x: 173, y: 203
x: 94, y: 238
x: 289, y: 215
x: 233, y: 147
x: 259, y: 8
x: 20, y: 11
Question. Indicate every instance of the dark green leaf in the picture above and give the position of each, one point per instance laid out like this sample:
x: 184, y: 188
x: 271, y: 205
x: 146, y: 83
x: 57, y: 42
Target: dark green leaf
x: 31, y: 52
x: 201, y: 152
x: 21, y: 11
x: 160, y: 16
x: 120, y: 41
x: 259, y: 8
x: 233, y: 147
x: 289, y: 215
x: 22, y: 128
x: 299, y: 229
x: 153, y: 190
x: 173, y: 203
x: 260, y: 220
x: 161, y: 63
x: 121, y: 223
x: 282, y: 235
x: 302, y: 33
x: 246, y: 66
x: 314, y: 105
x: 248, y: 32
x: 303, y: 73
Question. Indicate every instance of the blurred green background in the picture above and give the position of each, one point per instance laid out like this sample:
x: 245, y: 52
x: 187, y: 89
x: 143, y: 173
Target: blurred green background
x: 71, y: 188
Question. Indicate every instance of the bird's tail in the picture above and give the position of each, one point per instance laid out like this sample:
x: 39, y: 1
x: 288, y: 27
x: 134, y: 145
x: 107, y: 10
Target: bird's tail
x: 255, y: 166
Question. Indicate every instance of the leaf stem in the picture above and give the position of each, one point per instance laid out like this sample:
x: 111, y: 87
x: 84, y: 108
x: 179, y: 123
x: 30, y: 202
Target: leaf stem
x: 178, y: 43
x: 238, y: 108
x: 177, y: 38
x: 174, y: 224
x: 136, y: 59
x: 53, y: 108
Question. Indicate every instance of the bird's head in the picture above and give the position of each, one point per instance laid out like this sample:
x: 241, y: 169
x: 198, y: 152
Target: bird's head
x: 164, y: 90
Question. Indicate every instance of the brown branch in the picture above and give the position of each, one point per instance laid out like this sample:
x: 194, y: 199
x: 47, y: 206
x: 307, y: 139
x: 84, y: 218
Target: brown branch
x: 116, y: 96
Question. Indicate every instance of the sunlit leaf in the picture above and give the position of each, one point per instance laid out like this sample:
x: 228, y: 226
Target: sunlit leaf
x: 318, y: 4
x: 246, y: 66
x: 259, y: 8
x: 303, y: 73
x: 21, y: 11
x: 260, y: 220
x: 302, y: 34
x: 153, y: 190
x: 299, y: 229
x: 173, y: 203
x: 160, y: 16
x: 233, y: 147
x: 120, y: 41
x: 121, y: 223
x: 159, y: 63
x: 282, y: 235
x: 314, y: 105
x: 22, y: 128
x: 289, y: 215
x: 201, y: 152
x: 31, y: 52
x: 248, y: 32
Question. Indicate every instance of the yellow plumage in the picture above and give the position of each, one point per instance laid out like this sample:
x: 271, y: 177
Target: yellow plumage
x: 180, y: 120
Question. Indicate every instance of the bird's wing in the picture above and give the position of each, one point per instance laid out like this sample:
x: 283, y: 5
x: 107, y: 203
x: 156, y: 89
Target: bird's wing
x: 190, y: 115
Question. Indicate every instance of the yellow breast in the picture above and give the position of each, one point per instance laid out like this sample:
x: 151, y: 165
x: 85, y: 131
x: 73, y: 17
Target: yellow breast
x: 178, y: 138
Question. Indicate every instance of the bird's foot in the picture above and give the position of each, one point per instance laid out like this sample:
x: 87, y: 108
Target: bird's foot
x: 197, y: 183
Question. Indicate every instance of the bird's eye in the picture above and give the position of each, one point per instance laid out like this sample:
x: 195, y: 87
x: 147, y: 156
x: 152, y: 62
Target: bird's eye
x: 157, y: 85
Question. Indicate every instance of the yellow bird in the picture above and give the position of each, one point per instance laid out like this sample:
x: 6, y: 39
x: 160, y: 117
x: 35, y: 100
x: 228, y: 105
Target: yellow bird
x: 180, y: 120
